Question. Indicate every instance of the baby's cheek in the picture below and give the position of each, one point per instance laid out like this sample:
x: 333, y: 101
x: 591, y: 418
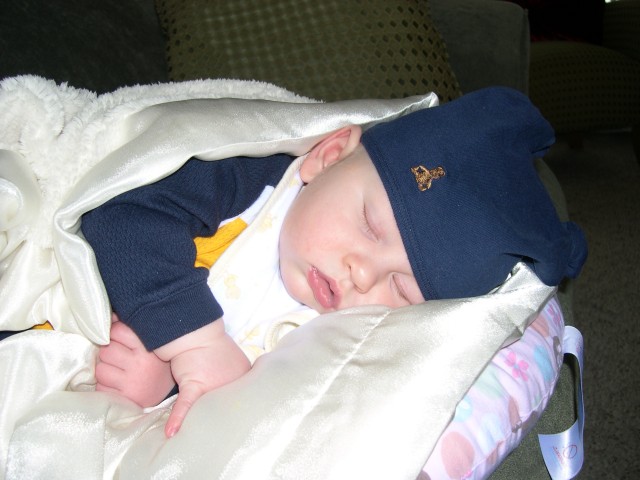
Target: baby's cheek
x: 291, y: 283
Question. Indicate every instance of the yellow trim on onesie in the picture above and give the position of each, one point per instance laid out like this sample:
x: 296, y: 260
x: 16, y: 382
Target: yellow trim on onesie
x: 209, y: 249
x: 43, y: 326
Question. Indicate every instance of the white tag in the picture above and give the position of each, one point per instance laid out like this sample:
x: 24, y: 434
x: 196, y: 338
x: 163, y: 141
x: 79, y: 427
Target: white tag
x: 563, y: 452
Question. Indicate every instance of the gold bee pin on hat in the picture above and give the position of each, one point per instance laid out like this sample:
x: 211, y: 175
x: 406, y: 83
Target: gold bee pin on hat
x: 424, y: 176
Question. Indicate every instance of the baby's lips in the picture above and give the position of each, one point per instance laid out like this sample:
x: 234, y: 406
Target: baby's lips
x: 323, y: 288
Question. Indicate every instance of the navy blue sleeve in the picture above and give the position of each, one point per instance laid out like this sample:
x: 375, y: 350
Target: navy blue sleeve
x: 143, y: 242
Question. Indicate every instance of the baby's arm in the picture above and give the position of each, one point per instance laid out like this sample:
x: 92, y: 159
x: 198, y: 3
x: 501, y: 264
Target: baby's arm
x: 201, y: 361
x: 143, y: 243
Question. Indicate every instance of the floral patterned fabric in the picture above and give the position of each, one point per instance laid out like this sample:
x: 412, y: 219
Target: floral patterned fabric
x: 503, y: 404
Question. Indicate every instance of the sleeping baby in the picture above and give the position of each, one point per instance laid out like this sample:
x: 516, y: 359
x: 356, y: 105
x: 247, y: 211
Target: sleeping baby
x: 440, y: 203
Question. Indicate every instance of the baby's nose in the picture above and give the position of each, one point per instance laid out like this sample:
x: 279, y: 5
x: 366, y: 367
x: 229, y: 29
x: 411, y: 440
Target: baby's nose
x: 364, y: 272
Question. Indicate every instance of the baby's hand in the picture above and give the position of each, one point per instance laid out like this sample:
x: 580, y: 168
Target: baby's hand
x: 200, y: 362
x: 127, y: 368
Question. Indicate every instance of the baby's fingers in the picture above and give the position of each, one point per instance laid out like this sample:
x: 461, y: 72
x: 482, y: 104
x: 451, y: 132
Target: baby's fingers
x: 108, y: 376
x: 186, y: 398
x: 123, y: 334
x: 104, y: 388
x: 115, y: 354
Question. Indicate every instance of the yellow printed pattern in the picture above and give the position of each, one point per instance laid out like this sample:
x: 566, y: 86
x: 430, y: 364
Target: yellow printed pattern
x: 209, y: 249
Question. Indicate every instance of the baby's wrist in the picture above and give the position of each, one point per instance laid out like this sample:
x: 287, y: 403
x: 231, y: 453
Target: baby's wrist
x: 203, y: 337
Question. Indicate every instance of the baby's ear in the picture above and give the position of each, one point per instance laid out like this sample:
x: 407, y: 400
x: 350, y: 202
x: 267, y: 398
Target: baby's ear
x: 330, y: 150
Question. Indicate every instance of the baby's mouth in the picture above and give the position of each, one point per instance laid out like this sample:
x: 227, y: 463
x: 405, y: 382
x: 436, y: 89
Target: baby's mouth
x: 323, y: 288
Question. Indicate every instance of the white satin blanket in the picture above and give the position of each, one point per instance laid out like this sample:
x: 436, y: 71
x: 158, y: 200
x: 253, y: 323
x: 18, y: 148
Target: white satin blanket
x: 363, y: 393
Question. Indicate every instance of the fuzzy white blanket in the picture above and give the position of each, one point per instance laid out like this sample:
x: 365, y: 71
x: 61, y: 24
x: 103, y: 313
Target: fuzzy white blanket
x: 363, y: 393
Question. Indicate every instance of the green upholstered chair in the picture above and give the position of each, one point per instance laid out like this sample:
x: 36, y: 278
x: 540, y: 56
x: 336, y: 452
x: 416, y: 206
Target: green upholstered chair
x: 582, y: 87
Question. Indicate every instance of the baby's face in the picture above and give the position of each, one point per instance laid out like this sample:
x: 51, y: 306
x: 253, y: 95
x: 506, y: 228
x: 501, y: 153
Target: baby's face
x: 340, y: 245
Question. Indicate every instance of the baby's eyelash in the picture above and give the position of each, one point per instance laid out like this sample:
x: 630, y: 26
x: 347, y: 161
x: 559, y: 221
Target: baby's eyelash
x: 365, y: 222
x: 399, y: 291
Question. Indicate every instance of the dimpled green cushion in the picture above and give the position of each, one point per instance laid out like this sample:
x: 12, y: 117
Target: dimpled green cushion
x: 328, y: 49
x: 582, y: 87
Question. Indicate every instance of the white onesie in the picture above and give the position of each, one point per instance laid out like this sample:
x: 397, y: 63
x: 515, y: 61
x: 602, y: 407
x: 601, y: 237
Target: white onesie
x: 246, y: 279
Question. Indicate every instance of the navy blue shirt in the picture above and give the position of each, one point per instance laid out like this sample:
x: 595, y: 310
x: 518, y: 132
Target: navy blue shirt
x: 143, y: 242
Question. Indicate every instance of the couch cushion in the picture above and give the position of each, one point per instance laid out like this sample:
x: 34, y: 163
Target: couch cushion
x: 97, y: 45
x: 582, y: 87
x: 577, y: 20
x: 329, y: 50
x: 478, y: 58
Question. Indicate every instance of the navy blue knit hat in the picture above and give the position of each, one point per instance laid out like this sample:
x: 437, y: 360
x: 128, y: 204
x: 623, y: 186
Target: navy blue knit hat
x: 466, y: 196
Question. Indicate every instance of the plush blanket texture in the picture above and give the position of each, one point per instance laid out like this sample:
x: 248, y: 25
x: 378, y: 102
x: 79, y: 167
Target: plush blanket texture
x: 363, y: 393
